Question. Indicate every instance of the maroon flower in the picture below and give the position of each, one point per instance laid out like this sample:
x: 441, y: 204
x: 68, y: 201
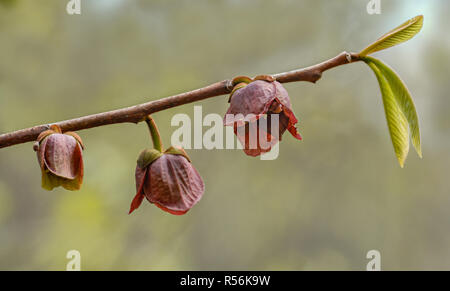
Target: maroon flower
x: 166, y: 178
x: 260, y: 99
x: 60, y: 158
x: 169, y: 181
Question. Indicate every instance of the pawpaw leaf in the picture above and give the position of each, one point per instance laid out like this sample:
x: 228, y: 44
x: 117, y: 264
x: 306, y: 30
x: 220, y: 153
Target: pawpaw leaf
x: 400, y: 34
x: 396, y: 120
x: 404, y: 100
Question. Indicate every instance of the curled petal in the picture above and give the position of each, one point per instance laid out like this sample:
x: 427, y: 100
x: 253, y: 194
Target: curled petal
x: 174, y: 212
x: 41, y: 154
x: 44, y: 134
x: 291, y: 124
x: 140, y: 175
x: 241, y: 79
x: 137, y: 200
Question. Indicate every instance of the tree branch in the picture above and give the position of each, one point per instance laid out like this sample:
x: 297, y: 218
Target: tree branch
x: 138, y: 113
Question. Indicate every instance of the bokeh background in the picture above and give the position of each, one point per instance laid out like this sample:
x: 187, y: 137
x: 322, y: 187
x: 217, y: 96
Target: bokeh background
x: 322, y: 205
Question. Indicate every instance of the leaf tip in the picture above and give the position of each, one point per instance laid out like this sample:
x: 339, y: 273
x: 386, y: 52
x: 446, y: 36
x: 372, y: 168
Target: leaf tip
x: 419, y: 152
x: 400, y: 34
x: 401, y: 161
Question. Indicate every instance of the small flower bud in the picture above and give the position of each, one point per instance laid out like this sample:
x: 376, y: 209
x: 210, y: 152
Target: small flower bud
x: 60, y: 159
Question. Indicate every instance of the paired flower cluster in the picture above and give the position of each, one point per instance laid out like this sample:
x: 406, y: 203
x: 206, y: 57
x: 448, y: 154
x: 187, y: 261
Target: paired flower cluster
x: 167, y: 178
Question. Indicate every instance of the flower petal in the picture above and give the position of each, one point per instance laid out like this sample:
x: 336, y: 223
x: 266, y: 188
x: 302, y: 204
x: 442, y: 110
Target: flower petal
x: 255, y: 148
x: 76, y: 137
x: 292, y: 121
x: 75, y: 184
x: 44, y: 134
x: 137, y: 200
x: 251, y: 101
x: 173, y: 183
x: 140, y: 175
x: 50, y: 181
x: 174, y: 212
x: 41, y: 154
x: 62, y: 156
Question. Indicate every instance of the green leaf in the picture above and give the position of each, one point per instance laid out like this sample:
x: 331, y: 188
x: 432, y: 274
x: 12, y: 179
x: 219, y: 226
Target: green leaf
x: 404, y: 100
x: 396, y: 120
x: 400, y: 34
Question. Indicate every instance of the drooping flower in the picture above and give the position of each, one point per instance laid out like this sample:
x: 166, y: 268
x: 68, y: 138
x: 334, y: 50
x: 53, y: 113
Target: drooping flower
x: 253, y: 101
x: 166, y: 178
x: 60, y: 159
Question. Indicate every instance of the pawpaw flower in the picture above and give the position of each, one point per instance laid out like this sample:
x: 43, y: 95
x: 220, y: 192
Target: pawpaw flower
x: 60, y: 159
x: 166, y: 178
x: 253, y: 100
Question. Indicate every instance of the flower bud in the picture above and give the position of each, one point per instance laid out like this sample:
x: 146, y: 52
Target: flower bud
x: 60, y: 159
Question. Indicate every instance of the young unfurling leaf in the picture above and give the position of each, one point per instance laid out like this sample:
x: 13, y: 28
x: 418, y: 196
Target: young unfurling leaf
x: 404, y: 100
x: 399, y: 108
x: 396, y: 120
x: 400, y: 34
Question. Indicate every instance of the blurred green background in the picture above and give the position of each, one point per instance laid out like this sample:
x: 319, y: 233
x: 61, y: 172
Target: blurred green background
x: 322, y: 205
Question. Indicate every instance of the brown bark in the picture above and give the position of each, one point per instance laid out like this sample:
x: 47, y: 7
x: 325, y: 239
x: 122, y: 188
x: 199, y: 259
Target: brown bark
x: 138, y: 113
